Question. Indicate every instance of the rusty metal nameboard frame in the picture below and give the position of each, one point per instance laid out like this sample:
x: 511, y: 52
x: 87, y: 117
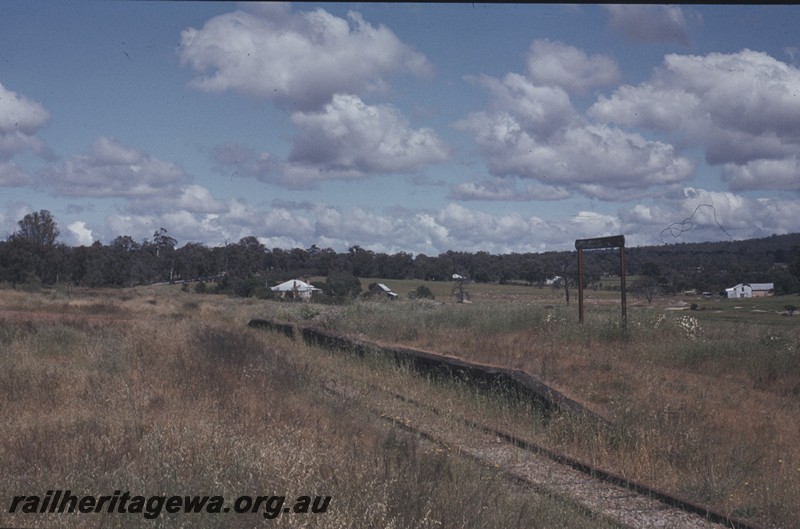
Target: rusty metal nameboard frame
x: 616, y: 241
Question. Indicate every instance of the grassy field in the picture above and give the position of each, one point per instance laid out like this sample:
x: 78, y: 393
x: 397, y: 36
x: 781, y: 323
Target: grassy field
x: 161, y: 392
x: 706, y: 401
x: 157, y: 390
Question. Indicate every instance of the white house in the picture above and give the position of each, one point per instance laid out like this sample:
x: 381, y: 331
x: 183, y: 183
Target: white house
x: 739, y: 291
x: 294, y: 288
x: 751, y: 290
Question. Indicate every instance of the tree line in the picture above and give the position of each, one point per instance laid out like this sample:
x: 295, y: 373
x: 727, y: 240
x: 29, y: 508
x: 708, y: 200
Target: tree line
x: 33, y: 256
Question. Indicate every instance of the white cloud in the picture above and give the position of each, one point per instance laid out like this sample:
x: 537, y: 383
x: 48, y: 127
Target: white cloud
x: 534, y: 132
x: 697, y: 214
x: 650, y: 23
x: 783, y: 174
x: 20, y: 120
x: 111, y: 169
x: 345, y: 140
x: 297, y: 59
x: 81, y: 235
x: 556, y: 64
x: 742, y: 108
x: 282, y: 222
x: 349, y: 139
x: 192, y: 198
x: 519, y: 103
x: 10, y: 215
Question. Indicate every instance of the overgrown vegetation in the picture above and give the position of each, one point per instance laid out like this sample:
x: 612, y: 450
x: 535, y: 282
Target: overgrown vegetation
x: 181, y: 398
x: 705, y: 403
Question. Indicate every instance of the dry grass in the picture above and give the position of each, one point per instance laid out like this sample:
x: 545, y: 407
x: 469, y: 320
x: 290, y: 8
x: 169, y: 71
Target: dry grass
x: 705, y: 408
x: 179, y: 397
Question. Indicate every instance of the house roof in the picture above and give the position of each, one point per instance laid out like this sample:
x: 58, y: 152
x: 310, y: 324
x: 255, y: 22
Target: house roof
x: 294, y: 285
x: 386, y: 289
x: 740, y: 285
x: 754, y: 286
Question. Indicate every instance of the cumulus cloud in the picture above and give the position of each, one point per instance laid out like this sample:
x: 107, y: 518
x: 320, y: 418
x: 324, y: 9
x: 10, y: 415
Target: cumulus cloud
x: 534, y: 132
x: 556, y: 64
x: 20, y: 120
x: 296, y: 59
x: 782, y: 174
x: 350, y: 138
x: 111, y: 169
x: 650, y: 23
x: 452, y: 227
x: 10, y: 214
x: 231, y: 220
x: 743, y: 108
x: 191, y: 198
x: 345, y: 140
x: 696, y: 214
x: 81, y: 235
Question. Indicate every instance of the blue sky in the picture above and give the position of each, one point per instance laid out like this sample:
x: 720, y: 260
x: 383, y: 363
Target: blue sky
x: 400, y: 127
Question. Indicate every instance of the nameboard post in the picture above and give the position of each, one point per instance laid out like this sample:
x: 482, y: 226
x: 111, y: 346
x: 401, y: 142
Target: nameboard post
x: 616, y: 241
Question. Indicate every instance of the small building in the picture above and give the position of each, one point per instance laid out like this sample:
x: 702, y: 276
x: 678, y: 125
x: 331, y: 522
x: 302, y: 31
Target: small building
x: 380, y: 289
x: 295, y: 289
x: 762, y: 289
x: 750, y: 290
x: 739, y: 291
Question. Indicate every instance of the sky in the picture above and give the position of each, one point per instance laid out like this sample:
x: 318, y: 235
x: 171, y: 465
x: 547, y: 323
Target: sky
x: 419, y: 128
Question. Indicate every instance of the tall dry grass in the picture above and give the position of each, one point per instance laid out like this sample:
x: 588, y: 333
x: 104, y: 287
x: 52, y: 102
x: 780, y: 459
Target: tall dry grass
x: 706, y: 409
x: 182, y: 398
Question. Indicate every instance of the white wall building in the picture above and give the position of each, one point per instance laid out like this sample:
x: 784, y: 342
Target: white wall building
x: 751, y: 290
x: 294, y: 288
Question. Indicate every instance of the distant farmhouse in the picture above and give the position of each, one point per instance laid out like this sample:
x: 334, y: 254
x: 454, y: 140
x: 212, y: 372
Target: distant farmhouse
x: 295, y: 289
x: 750, y: 290
x: 550, y: 281
x: 380, y: 289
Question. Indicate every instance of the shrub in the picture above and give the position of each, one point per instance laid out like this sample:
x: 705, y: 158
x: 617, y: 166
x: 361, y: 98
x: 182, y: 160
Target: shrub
x: 421, y: 292
x: 342, y: 286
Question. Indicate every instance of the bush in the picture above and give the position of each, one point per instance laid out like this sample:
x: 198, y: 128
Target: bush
x: 422, y: 292
x: 342, y: 286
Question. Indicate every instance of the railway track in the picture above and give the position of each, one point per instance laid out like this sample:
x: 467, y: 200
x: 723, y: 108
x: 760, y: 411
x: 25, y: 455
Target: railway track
x: 604, y: 494
x: 546, y: 471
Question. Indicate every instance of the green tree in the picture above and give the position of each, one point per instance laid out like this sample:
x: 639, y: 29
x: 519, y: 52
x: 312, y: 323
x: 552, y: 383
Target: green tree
x: 164, y: 246
x: 647, y: 287
x: 18, y: 261
x: 39, y: 228
x: 33, y: 248
x: 342, y: 286
x: 533, y: 273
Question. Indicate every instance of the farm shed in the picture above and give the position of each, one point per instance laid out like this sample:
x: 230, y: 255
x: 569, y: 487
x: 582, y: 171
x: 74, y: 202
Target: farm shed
x: 762, y: 289
x: 295, y: 289
x: 750, y: 290
x: 382, y: 290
